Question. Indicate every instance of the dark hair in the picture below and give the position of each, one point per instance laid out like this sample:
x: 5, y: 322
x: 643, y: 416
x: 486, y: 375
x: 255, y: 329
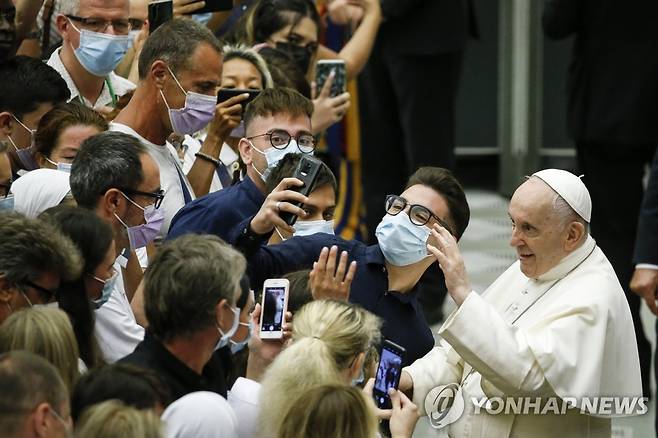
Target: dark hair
x: 300, y: 290
x: 175, y: 42
x: 106, y: 160
x: 272, y: 101
x: 135, y: 386
x: 187, y: 278
x: 27, y: 380
x: 266, y: 17
x: 285, y: 71
x: 245, y: 288
x: 27, y: 82
x: 286, y: 167
x: 445, y: 184
x: 93, y: 238
x: 62, y: 116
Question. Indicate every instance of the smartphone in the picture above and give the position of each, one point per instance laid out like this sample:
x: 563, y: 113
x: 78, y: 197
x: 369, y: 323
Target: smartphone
x: 225, y: 94
x: 307, y: 171
x: 214, y: 6
x: 388, y: 373
x: 322, y: 71
x: 160, y: 11
x: 274, y: 307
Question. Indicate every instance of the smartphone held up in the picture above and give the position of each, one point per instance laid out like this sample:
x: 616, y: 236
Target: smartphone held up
x: 274, y: 307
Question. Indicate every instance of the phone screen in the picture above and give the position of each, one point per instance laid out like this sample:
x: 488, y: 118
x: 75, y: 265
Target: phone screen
x: 388, y: 375
x: 323, y: 69
x: 159, y: 13
x: 273, y: 303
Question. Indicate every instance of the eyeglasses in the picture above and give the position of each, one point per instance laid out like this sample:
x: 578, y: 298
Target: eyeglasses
x: 120, y: 25
x: 418, y: 214
x: 158, y: 195
x: 280, y: 139
x: 136, y: 23
x: 47, y: 295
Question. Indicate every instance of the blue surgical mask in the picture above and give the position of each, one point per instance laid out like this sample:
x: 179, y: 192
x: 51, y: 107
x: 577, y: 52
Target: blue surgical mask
x: 237, y: 346
x: 225, y: 338
x: 7, y: 203
x: 307, y: 228
x: 274, y: 155
x: 62, y: 167
x: 25, y: 155
x: 402, y: 242
x: 108, y: 287
x: 100, y: 53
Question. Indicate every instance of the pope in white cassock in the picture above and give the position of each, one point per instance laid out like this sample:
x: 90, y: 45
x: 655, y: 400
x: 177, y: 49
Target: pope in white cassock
x: 555, y: 324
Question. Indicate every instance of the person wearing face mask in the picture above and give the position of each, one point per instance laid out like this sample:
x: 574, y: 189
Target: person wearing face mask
x: 243, y: 68
x: 115, y: 177
x: 34, y: 258
x: 191, y: 290
x: 6, y: 198
x: 80, y: 297
x: 389, y: 273
x: 28, y: 89
x: 95, y: 37
x: 277, y: 123
x: 180, y: 70
x: 321, y: 203
x: 61, y: 131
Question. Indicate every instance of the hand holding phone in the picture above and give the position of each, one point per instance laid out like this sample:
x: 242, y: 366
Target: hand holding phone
x: 324, y: 69
x: 388, y: 373
x: 274, y: 307
x: 307, y: 171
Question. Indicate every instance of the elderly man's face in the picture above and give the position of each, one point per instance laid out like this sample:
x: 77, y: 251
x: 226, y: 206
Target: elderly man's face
x: 538, y: 234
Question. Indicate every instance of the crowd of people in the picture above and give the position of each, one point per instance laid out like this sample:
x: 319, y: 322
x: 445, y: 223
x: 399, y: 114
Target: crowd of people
x: 140, y: 217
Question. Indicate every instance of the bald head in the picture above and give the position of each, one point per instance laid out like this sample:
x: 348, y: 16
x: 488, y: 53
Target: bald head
x: 545, y: 229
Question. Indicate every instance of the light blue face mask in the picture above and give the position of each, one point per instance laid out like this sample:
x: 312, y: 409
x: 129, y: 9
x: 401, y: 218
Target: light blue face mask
x: 225, y: 338
x: 7, y: 203
x: 100, y: 53
x: 402, y: 242
x: 62, y: 167
x: 237, y: 346
x: 108, y: 287
x: 307, y: 228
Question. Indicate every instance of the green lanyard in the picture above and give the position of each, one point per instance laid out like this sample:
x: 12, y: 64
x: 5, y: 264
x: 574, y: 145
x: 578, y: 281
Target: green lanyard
x: 110, y: 89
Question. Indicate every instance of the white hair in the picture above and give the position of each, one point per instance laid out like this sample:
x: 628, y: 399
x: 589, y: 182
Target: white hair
x: 566, y: 213
x: 69, y: 7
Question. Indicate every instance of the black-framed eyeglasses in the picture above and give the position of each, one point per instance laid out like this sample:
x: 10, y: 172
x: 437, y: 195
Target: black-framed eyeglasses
x: 418, y: 214
x: 158, y: 195
x: 280, y: 139
x: 46, y: 295
x: 95, y: 24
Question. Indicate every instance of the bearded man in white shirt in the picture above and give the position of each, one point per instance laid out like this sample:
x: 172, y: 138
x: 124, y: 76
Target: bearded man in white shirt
x: 553, y: 332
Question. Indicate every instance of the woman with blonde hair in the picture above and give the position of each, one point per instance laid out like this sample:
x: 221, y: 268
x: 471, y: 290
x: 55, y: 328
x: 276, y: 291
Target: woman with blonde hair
x: 113, y: 419
x: 329, y: 345
x: 46, y: 332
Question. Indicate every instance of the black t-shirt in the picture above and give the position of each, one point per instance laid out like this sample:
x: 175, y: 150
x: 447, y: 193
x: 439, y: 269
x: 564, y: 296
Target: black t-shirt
x: 181, y: 380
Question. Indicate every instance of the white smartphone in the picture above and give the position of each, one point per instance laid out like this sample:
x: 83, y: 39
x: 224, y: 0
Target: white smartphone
x: 273, y: 308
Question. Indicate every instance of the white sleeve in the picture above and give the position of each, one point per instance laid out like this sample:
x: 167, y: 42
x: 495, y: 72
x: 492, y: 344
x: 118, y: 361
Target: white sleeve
x: 646, y: 266
x: 116, y: 329
x: 244, y: 398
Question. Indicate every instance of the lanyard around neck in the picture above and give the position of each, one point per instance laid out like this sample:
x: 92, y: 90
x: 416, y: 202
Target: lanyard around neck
x: 109, y: 88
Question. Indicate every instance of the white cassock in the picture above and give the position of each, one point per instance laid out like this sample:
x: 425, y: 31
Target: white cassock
x: 572, y: 336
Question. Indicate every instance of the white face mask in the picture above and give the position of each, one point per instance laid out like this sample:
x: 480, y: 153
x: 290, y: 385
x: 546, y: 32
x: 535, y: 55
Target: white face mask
x: 307, y: 228
x: 274, y: 155
x: 225, y: 338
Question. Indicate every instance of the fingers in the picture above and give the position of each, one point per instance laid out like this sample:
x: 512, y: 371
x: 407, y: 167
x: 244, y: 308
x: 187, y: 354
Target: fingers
x: 331, y: 262
x: 651, y: 303
x: 395, y: 399
x: 189, y: 7
x: 287, y: 183
x: 235, y: 99
x: 321, y: 264
x: 350, y: 274
x: 367, y: 388
x: 326, y: 88
x: 255, y: 317
x: 290, y: 208
x: 342, y: 266
x: 437, y: 253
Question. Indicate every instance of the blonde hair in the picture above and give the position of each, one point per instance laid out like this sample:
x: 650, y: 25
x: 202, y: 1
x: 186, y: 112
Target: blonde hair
x: 327, y: 337
x: 46, y: 332
x: 113, y: 419
x: 330, y: 411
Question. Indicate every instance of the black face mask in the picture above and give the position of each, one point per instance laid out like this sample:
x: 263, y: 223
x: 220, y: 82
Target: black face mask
x: 301, y: 55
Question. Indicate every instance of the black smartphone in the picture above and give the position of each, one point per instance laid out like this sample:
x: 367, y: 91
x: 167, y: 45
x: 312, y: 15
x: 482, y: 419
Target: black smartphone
x: 159, y: 13
x: 225, y: 94
x: 307, y: 171
x: 322, y: 70
x: 388, y: 373
x: 214, y: 6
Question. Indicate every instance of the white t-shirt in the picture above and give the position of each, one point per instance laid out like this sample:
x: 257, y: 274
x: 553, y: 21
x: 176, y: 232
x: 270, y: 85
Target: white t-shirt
x: 244, y: 399
x: 170, y: 175
x: 116, y: 329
